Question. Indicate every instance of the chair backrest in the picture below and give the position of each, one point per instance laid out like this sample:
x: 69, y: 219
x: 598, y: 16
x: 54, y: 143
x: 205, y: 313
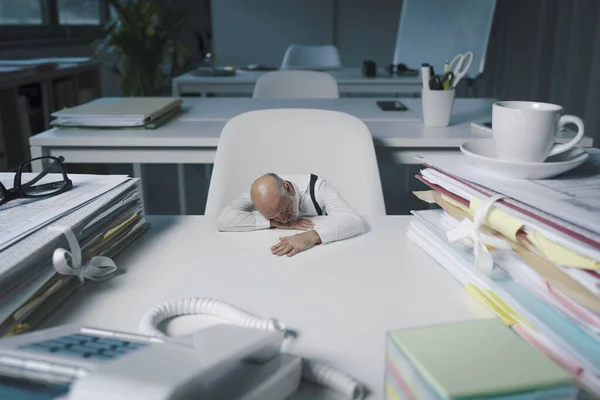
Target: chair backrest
x: 296, y: 85
x: 331, y: 144
x: 311, y: 57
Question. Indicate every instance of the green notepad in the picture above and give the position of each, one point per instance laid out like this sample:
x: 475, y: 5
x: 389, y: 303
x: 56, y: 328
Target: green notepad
x: 478, y: 358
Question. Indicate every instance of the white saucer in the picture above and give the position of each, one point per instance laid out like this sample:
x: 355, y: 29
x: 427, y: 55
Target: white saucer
x: 481, y: 152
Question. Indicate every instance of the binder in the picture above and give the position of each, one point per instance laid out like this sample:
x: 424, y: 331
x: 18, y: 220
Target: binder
x: 118, y: 111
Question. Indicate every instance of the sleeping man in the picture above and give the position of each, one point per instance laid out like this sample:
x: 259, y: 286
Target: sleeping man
x: 280, y: 201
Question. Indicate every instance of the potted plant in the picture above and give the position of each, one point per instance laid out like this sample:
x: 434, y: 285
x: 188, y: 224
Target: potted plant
x: 141, y: 43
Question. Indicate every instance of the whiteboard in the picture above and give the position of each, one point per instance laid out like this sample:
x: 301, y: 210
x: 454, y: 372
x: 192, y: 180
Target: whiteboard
x: 434, y: 31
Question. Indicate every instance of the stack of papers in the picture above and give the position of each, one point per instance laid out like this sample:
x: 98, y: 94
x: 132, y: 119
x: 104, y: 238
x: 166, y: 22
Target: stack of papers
x: 36, y: 64
x: 104, y: 213
x: 543, y: 238
x: 5, y: 70
x: 20, y: 218
x: 119, y: 112
x: 470, y: 360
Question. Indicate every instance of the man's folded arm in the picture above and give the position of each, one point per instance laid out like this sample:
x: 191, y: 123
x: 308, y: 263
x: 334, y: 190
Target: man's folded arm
x: 240, y: 216
x: 342, y: 221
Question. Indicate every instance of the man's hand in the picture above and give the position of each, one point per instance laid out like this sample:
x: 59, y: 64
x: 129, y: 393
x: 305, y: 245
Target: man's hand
x: 300, y: 224
x: 292, y: 245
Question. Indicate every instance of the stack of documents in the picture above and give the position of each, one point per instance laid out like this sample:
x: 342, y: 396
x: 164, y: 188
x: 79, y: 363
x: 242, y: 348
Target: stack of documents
x: 470, y: 360
x: 542, y: 238
x: 119, y: 112
x: 35, y: 64
x: 104, y: 214
x: 8, y: 70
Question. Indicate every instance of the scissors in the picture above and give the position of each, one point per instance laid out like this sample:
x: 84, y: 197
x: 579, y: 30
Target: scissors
x: 436, y: 82
x: 460, y: 65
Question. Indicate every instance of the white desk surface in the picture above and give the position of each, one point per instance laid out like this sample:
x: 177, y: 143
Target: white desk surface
x: 225, y: 108
x: 341, y: 298
x: 205, y: 134
x: 349, y: 75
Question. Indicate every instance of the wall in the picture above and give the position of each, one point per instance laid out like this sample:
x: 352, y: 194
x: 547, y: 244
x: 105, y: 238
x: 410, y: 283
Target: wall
x: 247, y: 32
x: 367, y: 30
x: 197, y: 19
x: 258, y: 32
x: 558, y: 63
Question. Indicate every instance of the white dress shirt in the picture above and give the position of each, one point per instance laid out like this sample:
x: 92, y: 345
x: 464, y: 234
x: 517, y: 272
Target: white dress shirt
x: 342, y: 221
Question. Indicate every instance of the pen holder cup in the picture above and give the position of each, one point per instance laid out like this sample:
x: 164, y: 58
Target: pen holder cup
x: 437, y: 106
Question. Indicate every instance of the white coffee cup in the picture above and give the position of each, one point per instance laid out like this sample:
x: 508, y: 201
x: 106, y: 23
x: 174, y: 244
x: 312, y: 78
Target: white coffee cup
x: 526, y: 130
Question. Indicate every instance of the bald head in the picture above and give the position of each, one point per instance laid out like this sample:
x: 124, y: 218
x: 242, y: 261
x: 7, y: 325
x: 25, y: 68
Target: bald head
x: 274, y: 198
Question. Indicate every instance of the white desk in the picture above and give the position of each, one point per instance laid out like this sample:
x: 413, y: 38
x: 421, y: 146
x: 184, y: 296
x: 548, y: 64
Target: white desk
x: 195, y: 142
x: 341, y: 298
x: 225, y: 108
x: 350, y: 80
x: 184, y: 141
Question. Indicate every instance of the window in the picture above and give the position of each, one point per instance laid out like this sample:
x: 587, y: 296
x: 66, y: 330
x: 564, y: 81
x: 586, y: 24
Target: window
x: 51, y: 19
x: 20, y: 12
x: 79, y: 12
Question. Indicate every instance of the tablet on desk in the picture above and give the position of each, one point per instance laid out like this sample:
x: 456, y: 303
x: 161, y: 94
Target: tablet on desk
x: 391, y: 105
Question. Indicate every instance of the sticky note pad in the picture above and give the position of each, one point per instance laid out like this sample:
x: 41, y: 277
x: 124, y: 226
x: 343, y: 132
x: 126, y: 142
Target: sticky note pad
x: 474, y: 359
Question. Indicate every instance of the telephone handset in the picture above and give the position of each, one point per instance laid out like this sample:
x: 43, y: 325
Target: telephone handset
x: 72, y: 362
x: 313, y: 372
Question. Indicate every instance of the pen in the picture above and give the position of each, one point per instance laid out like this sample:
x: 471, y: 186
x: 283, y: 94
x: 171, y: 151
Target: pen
x: 425, y: 74
x: 435, y: 83
x: 446, y: 70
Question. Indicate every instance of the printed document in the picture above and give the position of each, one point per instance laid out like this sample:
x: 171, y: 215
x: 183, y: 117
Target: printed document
x: 19, y: 218
x: 573, y: 197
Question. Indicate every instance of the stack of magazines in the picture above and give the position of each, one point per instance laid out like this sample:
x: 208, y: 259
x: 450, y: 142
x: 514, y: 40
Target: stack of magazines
x: 529, y: 250
x: 48, y: 245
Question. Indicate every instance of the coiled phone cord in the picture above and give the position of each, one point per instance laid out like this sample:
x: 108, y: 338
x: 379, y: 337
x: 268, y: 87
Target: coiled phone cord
x: 313, y: 372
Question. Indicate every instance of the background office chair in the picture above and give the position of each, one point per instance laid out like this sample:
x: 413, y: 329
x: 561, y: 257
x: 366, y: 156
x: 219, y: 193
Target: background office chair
x: 296, y: 85
x: 335, y: 145
x: 311, y: 57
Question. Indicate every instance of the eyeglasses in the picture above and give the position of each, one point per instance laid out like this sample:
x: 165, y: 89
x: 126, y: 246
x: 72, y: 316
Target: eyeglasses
x: 50, y: 182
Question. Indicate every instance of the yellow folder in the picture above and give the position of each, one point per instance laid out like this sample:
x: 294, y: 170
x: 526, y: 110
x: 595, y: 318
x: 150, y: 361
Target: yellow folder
x: 545, y: 268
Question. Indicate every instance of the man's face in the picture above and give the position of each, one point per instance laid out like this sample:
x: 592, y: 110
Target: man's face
x: 286, y: 209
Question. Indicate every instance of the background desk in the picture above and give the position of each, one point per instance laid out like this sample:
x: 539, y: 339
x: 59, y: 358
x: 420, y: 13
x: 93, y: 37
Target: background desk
x: 350, y: 80
x: 195, y: 142
x: 28, y: 96
x: 341, y: 298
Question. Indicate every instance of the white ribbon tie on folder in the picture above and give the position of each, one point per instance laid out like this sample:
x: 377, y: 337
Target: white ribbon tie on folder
x: 70, y: 263
x: 471, y: 229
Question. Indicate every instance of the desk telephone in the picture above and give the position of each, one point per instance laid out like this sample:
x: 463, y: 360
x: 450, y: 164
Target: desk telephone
x: 231, y: 362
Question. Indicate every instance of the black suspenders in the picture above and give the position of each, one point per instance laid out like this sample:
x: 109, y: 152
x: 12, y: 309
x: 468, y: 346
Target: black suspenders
x: 313, y: 181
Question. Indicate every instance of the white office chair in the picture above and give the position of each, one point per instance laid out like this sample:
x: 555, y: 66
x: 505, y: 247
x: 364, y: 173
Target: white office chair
x: 296, y: 85
x: 332, y: 144
x: 311, y: 57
